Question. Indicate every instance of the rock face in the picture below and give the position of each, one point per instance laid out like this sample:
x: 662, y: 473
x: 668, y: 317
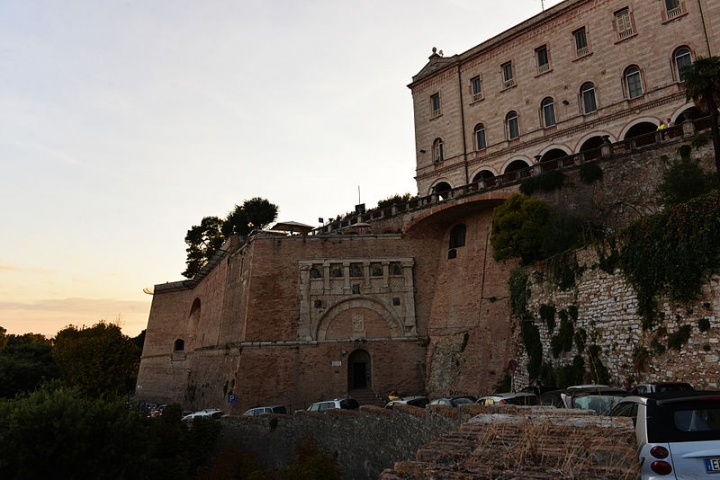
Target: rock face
x: 528, y: 443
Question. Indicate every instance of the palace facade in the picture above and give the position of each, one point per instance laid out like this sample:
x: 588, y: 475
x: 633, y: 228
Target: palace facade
x: 410, y: 299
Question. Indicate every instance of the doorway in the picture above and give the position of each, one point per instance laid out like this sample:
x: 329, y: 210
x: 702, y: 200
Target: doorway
x: 359, y: 370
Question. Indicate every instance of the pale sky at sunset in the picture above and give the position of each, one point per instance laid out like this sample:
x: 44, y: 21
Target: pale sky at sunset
x: 123, y: 123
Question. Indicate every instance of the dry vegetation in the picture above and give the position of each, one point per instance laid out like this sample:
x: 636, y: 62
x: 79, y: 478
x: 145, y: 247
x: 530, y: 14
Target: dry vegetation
x: 528, y: 443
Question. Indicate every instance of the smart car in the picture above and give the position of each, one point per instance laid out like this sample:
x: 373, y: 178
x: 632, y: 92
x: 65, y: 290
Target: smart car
x: 678, y: 433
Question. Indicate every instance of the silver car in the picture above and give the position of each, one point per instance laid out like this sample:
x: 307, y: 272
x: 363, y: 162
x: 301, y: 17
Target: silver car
x: 678, y: 433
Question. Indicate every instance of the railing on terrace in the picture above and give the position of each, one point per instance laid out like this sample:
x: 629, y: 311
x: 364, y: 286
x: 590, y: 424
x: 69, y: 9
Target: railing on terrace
x: 607, y: 151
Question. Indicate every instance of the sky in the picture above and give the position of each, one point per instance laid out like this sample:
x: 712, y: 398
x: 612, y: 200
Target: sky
x: 124, y: 123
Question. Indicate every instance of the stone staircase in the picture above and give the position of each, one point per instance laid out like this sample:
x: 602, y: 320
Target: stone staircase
x: 366, y: 396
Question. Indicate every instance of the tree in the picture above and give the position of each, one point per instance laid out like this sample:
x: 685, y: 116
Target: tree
x: 100, y: 360
x: 203, y: 241
x: 26, y: 362
x: 256, y: 213
x: 519, y: 226
x: 702, y: 86
x: 59, y: 433
x: 684, y: 180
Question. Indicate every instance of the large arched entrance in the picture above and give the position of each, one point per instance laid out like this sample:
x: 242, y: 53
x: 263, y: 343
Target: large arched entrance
x: 359, y: 370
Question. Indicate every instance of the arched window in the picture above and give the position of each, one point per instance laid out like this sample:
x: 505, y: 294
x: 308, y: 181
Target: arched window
x: 589, y: 102
x: 179, y: 345
x: 480, y: 143
x: 438, y: 150
x: 682, y: 59
x: 512, y: 125
x: 548, y: 111
x: 457, y: 236
x: 633, y: 82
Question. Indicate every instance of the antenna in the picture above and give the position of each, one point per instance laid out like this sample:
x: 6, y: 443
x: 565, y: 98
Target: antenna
x: 542, y: 4
x: 358, y: 193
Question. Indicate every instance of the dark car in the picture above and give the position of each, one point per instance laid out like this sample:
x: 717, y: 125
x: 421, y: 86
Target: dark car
x: 659, y: 387
x: 414, y: 400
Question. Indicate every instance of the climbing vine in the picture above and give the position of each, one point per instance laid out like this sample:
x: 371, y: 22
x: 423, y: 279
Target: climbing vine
x: 671, y: 252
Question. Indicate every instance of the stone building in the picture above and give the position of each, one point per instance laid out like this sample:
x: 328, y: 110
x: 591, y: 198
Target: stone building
x: 557, y: 84
x: 409, y: 298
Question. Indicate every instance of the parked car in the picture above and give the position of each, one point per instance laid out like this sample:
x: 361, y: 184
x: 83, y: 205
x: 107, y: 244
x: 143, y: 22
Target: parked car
x: 157, y: 411
x: 257, y: 411
x: 678, y: 433
x: 414, y: 400
x: 341, y: 403
x: 207, y: 413
x: 454, y: 401
x: 510, y: 398
x: 660, y: 387
x: 601, y: 402
x: 563, y: 398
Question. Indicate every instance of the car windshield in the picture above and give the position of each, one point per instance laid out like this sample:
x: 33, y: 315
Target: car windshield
x: 463, y: 400
x: 685, y: 421
x: 600, y: 404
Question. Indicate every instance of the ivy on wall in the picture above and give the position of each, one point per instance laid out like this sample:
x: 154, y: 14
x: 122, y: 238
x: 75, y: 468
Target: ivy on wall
x: 671, y: 253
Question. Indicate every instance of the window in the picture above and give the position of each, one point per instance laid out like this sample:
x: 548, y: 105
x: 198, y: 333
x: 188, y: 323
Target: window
x: 581, y: 43
x: 624, y: 23
x: 435, y: 105
x: 513, y: 128
x: 587, y: 91
x: 476, y: 88
x: 179, y: 345
x: 673, y: 8
x: 507, y: 73
x: 682, y: 59
x: 480, y: 143
x: 548, y: 112
x: 438, y: 150
x: 633, y: 82
x: 356, y: 270
x: 543, y: 63
x: 457, y: 236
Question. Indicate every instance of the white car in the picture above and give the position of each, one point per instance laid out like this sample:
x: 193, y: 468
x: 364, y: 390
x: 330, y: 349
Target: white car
x: 338, y: 403
x: 678, y: 433
x: 258, y: 411
x: 509, y: 398
x: 207, y: 413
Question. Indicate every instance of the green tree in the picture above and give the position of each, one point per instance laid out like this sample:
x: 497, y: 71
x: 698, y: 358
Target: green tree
x: 519, y: 227
x: 203, y: 241
x: 26, y: 362
x: 100, y: 360
x: 394, y: 200
x: 63, y: 434
x: 702, y: 86
x: 3, y: 337
x: 256, y: 213
x: 684, y: 180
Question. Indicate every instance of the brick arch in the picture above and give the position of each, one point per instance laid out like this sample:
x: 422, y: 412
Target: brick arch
x: 393, y: 325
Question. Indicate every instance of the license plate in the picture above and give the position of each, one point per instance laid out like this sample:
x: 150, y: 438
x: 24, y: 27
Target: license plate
x: 712, y: 465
